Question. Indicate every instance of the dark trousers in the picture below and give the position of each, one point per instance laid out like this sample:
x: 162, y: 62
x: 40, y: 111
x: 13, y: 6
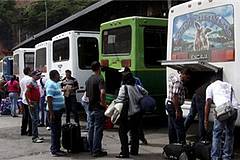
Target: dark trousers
x: 129, y: 124
x: 140, y: 131
x: 56, y: 125
x: 71, y: 106
x: 176, y: 131
x: 197, y: 106
x: 26, y: 121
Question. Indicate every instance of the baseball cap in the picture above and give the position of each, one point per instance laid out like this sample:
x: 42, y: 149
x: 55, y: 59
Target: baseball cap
x: 36, y: 73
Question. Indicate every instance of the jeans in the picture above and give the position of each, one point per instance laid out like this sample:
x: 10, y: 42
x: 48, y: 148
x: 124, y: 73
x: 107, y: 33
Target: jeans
x: 43, y: 112
x: 56, y: 125
x: 86, y: 108
x: 228, y: 127
x: 71, y: 106
x: 132, y: 124
x: 13, y: 98
x: 26, y: 120
x: 34, y: 111
x: 197, y: 106
x: 95, y: 132
x: 176, y: 131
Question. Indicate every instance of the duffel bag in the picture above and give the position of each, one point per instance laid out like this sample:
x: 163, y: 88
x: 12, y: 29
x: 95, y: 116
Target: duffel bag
x: 147, y: 104
x: 202, y: 150
x: 177, y: 151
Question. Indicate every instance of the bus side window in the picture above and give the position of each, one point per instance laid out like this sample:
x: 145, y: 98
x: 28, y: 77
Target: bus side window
x: 155, y: 43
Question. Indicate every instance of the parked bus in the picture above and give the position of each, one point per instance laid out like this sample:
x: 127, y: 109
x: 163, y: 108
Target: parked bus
x: 22, y: 57
x: 75, y: 51
x: 42, y: 57
x: 7, y: 67
x: 138, y: 43
x: 202, y: 36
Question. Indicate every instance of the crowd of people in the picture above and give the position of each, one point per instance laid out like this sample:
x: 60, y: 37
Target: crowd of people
x: 45, y: 100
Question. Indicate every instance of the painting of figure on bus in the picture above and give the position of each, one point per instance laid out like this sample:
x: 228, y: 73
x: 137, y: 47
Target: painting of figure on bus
x: 207, y: 34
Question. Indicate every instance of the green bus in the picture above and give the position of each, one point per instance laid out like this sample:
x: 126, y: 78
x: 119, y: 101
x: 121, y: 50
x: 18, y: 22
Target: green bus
x: 138, y: 43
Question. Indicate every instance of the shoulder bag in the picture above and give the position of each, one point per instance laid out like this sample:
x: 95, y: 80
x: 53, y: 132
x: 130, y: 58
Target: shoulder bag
x: 225, y: 111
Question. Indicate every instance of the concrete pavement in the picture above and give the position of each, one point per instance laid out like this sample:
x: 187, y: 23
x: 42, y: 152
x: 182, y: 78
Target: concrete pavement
x: 16, y: 147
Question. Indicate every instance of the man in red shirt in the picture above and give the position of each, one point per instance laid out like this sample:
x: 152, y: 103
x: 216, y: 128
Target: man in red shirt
x: 33, y: 97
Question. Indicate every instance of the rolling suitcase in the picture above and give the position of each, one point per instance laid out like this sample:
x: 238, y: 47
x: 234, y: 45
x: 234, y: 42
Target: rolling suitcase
x: 71, y: 137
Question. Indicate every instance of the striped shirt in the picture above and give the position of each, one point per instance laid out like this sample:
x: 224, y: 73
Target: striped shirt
x: 53, y: 89
x: 176, y: 88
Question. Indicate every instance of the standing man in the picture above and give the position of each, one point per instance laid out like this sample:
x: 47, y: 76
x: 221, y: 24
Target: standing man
x: 26, y: 119
x: 175, y: 99
x: 69, y: 87
x: 220, y: 92
x: 95, y: 91
x: 197, y: 106
x: 55, y: 106
x: 33, y: 98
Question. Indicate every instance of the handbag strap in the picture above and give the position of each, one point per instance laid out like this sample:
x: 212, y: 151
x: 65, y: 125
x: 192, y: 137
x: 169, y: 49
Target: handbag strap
x: 126, y: 95
x: 231, y: 94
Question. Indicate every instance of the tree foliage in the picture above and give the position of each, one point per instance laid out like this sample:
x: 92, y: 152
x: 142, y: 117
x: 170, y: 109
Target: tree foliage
x: 34, y: 15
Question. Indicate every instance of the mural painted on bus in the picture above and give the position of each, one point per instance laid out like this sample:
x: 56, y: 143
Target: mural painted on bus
x: 206, y: 34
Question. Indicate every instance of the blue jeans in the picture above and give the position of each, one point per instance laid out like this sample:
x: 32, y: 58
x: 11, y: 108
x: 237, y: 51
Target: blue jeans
x: 43, y: 112
x: 56, y: 125
x: 13, y: 99
x: 34, y: 111
x: 176, y: 131
x: 95, y: 132
x: 86, y: 108
x: 197, y: 106
x: 228, y: 127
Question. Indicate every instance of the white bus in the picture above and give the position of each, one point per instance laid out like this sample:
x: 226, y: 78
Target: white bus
x: 22, y: 57
x: 42, y: 57
x: 75, y: 51
x: 202, y: 36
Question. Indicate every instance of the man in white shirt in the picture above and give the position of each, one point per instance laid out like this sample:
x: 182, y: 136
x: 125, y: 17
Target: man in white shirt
x: 26, y: 119
x: 220, y: 92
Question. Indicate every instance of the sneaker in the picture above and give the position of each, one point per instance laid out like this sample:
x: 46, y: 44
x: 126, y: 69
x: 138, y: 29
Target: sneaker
x: 48, y: 128
x: 41, y: 138
x: 59, y: 154
x: 37, y: 140
x: 99, y: 154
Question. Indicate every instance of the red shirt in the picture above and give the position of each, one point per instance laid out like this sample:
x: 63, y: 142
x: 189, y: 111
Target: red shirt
x: 33, y: 93
x: 13, y: 86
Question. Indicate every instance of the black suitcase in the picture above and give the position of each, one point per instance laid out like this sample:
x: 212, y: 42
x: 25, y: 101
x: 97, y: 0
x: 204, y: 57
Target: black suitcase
x: 202, y: 150
x: 178, y: 151
x: 71, y: 137
x: 84, y: 142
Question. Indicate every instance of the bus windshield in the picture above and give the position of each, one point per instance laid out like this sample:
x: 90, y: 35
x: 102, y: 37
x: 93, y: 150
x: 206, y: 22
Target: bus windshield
x: 41, y: 59
x: 155, y: 45
x: 29, y: 60
x: 117, y: 41
x: 61, y: 50
x: 87, y: 51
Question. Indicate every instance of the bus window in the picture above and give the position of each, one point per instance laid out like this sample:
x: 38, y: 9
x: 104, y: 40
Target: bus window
x: 87, y: 51
x: 16, y: 64
x: 117, y: 41
x: 41, y: 59
x: 155, y: 45
x: 61, y: 50
x: 1, y: 66
x: 29, y: 60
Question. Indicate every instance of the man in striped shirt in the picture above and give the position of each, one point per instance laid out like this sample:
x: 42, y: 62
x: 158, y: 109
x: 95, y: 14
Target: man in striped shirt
x: 55, y: 106
x: 175, y: 99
